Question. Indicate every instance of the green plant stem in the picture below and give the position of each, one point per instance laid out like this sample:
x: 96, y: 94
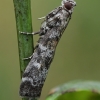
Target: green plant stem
x: 23, y: 24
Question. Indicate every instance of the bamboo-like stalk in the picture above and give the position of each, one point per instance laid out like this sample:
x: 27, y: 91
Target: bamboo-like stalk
x: 23, y: 24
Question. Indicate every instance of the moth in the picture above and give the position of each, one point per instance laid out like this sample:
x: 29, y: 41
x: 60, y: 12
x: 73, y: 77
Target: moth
x: 50, y: 33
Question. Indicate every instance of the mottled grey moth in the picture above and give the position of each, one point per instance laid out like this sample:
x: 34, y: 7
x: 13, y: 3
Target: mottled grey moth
x: 50, y: 33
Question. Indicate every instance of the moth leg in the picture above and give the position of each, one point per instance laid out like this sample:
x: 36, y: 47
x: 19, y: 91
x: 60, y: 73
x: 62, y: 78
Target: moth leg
x: 28, y: 57
x: 27, y: 33
x: 42, y: 18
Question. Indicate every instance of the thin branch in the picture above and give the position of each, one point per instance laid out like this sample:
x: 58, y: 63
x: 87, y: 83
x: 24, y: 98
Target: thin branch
x: 24, y: 24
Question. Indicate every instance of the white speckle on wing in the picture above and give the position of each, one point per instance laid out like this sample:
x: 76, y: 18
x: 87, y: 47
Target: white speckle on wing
x: 38, y: 65
x: 49, y: 53
x: 42, y: 47
x: 27, y: 79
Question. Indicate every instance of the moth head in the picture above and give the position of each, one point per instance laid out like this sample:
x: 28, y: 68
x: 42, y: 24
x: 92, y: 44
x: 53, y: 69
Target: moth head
x: 68, y: 4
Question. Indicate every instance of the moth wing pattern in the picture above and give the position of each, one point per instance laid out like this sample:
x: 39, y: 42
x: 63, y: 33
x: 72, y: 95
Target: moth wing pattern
x: 48, y: 19
x: 53, y: 13
x: 50, y: 33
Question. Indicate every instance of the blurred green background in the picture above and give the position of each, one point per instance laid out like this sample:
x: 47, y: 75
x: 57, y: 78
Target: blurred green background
x: 77, y: 54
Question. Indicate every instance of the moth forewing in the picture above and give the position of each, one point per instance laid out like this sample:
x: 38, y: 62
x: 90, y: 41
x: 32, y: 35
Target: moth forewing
x: 50, y: 33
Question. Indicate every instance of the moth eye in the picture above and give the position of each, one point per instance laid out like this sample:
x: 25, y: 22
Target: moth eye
x: 68, y: 5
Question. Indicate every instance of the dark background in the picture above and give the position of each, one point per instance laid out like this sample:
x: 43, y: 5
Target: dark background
x: 77, y: 54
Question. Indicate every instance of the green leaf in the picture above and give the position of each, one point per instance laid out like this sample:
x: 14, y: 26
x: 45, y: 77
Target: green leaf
x: 76, y: 90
